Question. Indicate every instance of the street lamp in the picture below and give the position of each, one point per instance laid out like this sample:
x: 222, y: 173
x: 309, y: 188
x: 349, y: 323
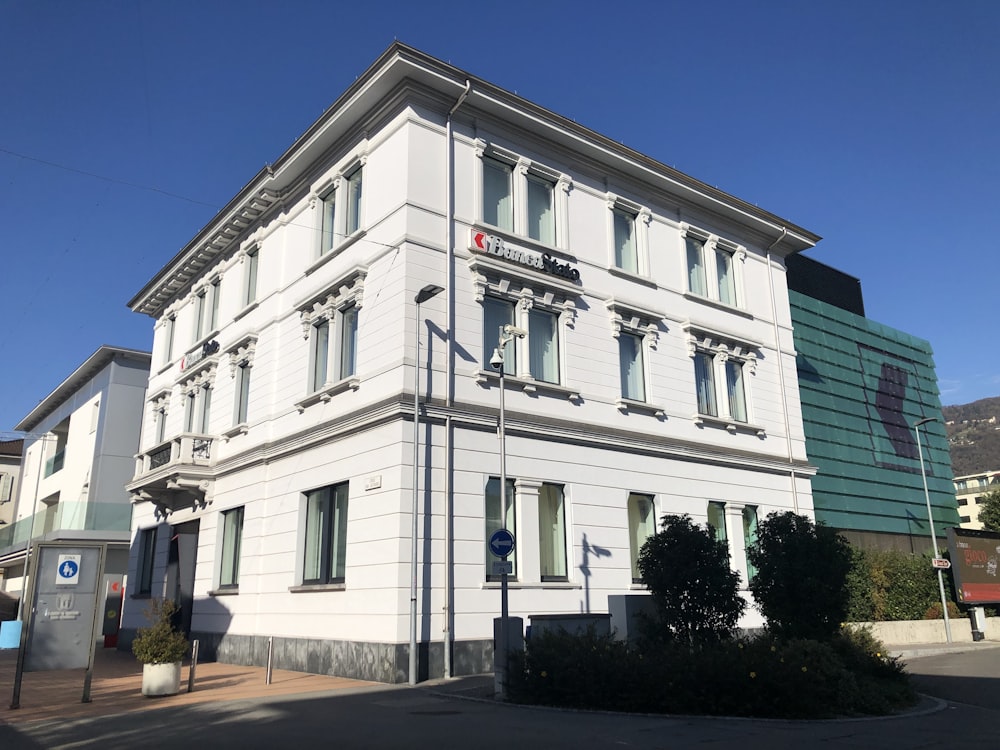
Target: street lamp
x: 930, y: 519
x: 507, y: 334
x: 423, y: 295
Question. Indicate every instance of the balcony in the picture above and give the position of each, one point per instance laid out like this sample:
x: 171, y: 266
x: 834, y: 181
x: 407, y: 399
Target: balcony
x: 176, y: 473
x: 64, y: 521
x: 55, y: 463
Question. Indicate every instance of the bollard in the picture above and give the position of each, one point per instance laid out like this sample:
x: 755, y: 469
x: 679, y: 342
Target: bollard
x: 270, y: 645
x: 194, y: 665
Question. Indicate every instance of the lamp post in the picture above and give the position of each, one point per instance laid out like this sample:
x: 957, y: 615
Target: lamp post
x: 507, y: 334
x: 423, y: 295
x: 930, y: 519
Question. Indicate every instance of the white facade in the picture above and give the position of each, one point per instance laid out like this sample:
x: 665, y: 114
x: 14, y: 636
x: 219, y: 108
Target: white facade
x: 970, y: 492
x: 79, y: 448
x: 645, y: 373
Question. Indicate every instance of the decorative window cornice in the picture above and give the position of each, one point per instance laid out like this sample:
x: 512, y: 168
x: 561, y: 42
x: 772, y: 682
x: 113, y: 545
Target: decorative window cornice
x: 346, y: 291
x: 721, y: 343
x: 524, y: 287
x: 635, y: 319
x: 241, y: 353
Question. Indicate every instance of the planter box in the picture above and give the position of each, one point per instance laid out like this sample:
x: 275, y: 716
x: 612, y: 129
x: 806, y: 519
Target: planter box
x: 161, y: 679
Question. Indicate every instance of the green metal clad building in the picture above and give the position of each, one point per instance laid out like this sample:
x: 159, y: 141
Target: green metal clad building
x: 863, y: 386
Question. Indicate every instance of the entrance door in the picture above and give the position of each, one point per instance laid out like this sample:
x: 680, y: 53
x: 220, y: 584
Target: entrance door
x: 181, y: 563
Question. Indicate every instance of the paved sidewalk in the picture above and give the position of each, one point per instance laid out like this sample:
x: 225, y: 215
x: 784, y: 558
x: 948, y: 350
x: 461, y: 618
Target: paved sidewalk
x: 117, y: 680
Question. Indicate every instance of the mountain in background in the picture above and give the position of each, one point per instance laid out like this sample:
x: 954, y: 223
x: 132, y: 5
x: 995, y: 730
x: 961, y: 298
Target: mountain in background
x: 974, y: 436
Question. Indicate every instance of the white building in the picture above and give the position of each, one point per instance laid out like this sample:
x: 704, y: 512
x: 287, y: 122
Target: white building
x: 79, y: 452
x: 970, y: 492
x: 275, y: 478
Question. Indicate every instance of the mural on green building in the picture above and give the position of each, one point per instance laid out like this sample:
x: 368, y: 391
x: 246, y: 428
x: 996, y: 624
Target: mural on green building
x: 863, y: 385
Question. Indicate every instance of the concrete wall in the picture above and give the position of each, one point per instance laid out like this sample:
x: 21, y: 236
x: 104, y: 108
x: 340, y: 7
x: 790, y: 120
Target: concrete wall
x: 906, y: 632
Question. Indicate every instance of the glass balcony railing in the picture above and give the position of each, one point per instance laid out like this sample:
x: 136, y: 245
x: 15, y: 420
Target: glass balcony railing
x: 49, y: 520
x: 55, y: 463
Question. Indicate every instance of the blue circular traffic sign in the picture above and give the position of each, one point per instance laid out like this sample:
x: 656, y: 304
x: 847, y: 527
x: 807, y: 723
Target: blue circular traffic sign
x: 68, y: 569
x: 501, y: 543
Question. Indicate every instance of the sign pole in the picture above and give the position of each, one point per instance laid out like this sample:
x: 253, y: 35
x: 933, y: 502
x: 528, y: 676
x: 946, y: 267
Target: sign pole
x: 501, y: 655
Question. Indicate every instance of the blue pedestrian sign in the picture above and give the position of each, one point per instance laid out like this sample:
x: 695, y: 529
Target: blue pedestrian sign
x: 68, y: 570
x: 501, y: 543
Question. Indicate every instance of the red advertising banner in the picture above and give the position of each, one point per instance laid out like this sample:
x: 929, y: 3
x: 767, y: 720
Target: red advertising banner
x: 975, y: 558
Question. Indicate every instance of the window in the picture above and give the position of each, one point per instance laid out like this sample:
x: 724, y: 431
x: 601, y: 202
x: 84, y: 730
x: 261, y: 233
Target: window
x: 147, y: 551
x: 965, y: 519
x: 197, y: 409
x: 498, y: 203
x: 348, y: 341
x: 696, y: 266
x: 631, y: 365
x: 320, y: 354
x: 626, y: 257
x: 493, y: 515
x: 242, y: 392
x: 641, y: 526
x: 213, y: 308
x: 541, y: 216
x: 543, y: 345
x: 345, y: 356
x: 161, y: 424
x: 750, y: 536
x: 524, y: 198
x: 496, y: 314
x: 232, y: 541
x: 354, y: 201
x: 704, y: 376
x: 326, y: 535
x: 340, y: 209
x: 552, y: 532
x: 6, y: 487
x: 734, y: 390
x: 717, y: 520
x: 963, y: 501
x: 712, y: 270
x: 169, y: 335
x: 200, y: 312
x: 250, y: 280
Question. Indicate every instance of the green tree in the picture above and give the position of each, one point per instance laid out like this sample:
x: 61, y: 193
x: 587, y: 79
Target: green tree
x: 801, y: 582
x: 694, y: 590
x: 989, y: 510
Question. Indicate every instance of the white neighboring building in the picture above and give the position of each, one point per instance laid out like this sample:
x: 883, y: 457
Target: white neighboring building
x: 275, y: 478
x: 79, y: 449
x: 970, y: 492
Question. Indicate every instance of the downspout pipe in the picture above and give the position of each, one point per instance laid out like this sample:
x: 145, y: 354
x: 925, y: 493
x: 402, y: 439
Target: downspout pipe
x: 781, y: 367
x: 449, y: 583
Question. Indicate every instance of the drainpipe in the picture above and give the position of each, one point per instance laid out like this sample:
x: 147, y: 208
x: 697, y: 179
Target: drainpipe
x: 781, y: 368
x: 450, y: 391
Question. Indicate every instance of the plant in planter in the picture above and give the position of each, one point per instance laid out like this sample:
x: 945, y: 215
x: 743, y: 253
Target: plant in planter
x: 161, y: 649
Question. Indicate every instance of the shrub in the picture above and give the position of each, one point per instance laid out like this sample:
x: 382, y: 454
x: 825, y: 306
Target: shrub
x: 694, y: 590
x: 802, y: 569
x: 893, y: 585
x: 750, y: 676
x: 160, y: 643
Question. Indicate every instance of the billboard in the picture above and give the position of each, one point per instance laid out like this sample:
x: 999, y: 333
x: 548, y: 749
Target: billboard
x: 974, y: 559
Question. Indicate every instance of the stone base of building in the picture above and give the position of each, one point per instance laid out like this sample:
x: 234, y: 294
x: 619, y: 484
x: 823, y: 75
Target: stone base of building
x: 359, y: 660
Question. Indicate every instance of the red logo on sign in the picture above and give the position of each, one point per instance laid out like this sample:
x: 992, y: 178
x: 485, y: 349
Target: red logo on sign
x: 478, y: 238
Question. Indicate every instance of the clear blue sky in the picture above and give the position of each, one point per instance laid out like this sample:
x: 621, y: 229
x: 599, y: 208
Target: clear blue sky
x: 127, y: 124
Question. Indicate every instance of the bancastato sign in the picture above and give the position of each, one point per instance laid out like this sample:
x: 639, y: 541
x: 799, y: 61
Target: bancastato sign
x: 489, y: 244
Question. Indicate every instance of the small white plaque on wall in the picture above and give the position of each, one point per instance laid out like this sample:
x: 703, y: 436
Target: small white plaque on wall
x: 373, y: 483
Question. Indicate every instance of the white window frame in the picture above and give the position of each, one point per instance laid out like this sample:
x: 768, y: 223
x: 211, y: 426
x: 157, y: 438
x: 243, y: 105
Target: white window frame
x: 556, y: 535
x: 230, y: 546
x: 339, y: 211
x: 522, y: 171
x: 333, y: 537
x: 251, y: 275
x: 334, y: 308
x: 712, y: 248
x: 723, y: 351
x: 641, y: 217
x: 640, y: 527
x: 643, y: 323
x: 169, y: 331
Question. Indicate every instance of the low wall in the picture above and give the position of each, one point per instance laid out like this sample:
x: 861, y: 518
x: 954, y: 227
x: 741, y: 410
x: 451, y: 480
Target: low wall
x: 906, y: 632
